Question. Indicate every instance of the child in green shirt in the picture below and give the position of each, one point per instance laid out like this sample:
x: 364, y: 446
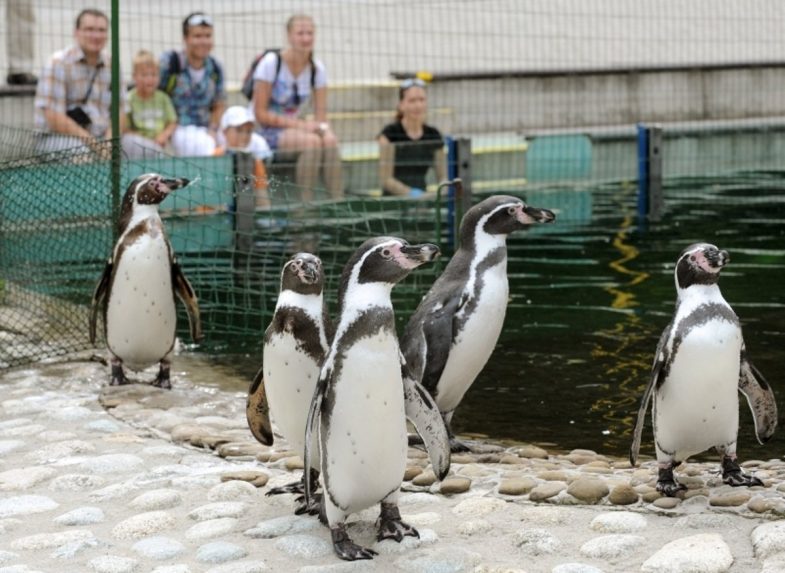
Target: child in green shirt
x: 151, y: 118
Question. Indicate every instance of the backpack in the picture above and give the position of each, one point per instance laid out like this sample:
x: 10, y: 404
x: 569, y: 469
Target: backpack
x: 174, y: 67
x: 248, y: 80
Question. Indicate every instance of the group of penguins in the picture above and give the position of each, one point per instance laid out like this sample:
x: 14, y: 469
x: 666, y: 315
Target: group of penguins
x: 340, y: 392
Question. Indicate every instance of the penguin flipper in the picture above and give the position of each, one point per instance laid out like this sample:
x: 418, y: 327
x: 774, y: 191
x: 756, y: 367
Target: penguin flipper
x: 654, y: 382
x: 186, y: 293
x: 99, y: 295
x: 257, y: 411
x: 439, y: 330
x: 760, y: 397
x: 311, y: 425
x: 424, y: 414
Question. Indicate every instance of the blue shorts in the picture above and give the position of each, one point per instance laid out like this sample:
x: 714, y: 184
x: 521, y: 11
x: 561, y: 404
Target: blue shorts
x: 271, y: 135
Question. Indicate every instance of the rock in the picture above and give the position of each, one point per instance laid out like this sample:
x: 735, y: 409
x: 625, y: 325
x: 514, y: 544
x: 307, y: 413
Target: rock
x: 241, y: 449
x: 623, y: 494
x: 411, y: 472
x: 71, y: 413
x: 60, y: 450
x: 76, y: 482
x: 575, y: 568
x: 103, y: 426
x: 220, y: 552
x: 419, y: 497
x: 279, y: 526
x: 81, y: 516
x: 143, y: 525
x: 8, y: 446
x: 218, y: 510
x: 158, y: 548
x: 113, y: 564
x: 426, y: 478
x: 255, y: 478
x: 588, y: 490
x: 760, y: 504
x: 511, y: 460
x: 24, y: 478
x: 211, y: 528
x: 496, y: 569
x: 71, y: 549
x: 6, y: 556
x: 554, y: 475
x: 304, y: 546
x: 651, y: 496
x: 704, y: 521
x: 474, y: 527
x: 26, y: 505
x: 612, y: 546
x: 452, y: 560
x: 477, y: 506
x: 774, y: 564
x: 730, y: 499
x: 536, y: 541
x: 180, y: 568
x: 157, y: 499
x: 704, y: 553
x: 49, y: 540
x: 517, y: 486
x: 293, y: 463
x: 343, y: 567
x: 112, y: 464
x: 666, y: 502
x: 453, y: 485
x: 186, y: 432
x: 618, y: 522
x: 240, y: 567
x: 114, y: 491
x: 768, y: 539
x: 547, y: 490
x: 531, y: 452
x: 231, y: 490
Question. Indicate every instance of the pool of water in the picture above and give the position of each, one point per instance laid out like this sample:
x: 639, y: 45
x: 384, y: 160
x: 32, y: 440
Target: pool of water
x: 590, y: 296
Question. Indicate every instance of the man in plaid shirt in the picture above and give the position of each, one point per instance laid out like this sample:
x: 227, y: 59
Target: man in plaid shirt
x: 77, y: 78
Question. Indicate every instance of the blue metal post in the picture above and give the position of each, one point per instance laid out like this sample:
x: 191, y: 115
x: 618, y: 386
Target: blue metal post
x: 452, y: 173
x: 643, y: 171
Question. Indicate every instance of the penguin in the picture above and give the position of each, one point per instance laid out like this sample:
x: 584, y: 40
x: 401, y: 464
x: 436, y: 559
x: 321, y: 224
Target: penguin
x: 453, y: 331
x: 363, y: 397
x: 295, y: 344
x: 699, y: 367
x: 136, y: 292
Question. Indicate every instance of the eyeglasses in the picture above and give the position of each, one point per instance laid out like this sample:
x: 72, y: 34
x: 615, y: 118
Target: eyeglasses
x: 200, y: 20
x: 412, y: 82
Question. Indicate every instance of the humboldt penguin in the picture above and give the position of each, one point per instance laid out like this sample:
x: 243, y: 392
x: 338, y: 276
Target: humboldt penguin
x: 136, y: 293
x: 295, y: 344
x: 363, y: 397
x: 454, y: 330
x: 700, y: 366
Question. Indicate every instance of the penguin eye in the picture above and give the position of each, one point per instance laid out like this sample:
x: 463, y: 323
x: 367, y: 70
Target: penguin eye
x: 511, y: 210
x: 386, y: 253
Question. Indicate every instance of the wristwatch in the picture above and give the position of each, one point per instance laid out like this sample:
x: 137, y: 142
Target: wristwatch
x: 323, y: 127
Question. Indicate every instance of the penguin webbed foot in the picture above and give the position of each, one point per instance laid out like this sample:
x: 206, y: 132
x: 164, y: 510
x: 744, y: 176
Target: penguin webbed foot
x: 734, y: 477
x: 667, y: 484
x: 392, y: 527
x: 415, y: 440
x: 312, y: 508
x: 457, y: 447
x: 347, y: 549
x: 118, y: 377
x: 295, y: 487
x: 163, y: 380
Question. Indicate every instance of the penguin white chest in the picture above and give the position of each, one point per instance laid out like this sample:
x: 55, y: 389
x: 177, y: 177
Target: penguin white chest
x: 474, y: 344
x: 290, y: 376
x: 141, y: 317
x: 365, y: 437
x: 697, y: 406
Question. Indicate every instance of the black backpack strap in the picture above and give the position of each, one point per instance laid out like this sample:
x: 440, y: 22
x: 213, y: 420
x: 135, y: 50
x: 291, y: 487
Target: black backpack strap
x: 313, y: 72
x: 173, y: 70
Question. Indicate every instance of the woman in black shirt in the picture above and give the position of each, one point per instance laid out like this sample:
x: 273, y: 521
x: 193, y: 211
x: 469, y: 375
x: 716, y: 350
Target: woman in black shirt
x: 409, y: 147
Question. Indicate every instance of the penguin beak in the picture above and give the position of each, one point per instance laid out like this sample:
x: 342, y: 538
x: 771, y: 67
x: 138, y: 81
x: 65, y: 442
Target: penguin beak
x: 309, y: 273
x: 539, y: 215
x: 424, y: 253
x: 717, y: 258
x: 175, y: 182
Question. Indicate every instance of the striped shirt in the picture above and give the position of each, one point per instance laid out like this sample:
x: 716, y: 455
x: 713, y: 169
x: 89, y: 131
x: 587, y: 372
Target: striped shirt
x: 63, y: 85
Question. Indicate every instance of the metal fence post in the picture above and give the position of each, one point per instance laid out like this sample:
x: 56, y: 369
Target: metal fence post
x: 244, y: 201
x: 650, y: 199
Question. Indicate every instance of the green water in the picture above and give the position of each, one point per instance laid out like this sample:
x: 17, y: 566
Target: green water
x: 590, y: 296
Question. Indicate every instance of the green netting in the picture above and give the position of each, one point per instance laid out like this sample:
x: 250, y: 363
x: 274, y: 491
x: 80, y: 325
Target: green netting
x: 56, y: 231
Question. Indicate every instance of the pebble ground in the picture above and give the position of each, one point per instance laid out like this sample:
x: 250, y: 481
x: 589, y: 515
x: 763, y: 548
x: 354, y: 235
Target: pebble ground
x: 136, y: 479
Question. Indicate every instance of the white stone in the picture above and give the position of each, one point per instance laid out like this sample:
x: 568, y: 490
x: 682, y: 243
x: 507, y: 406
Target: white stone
x: 703, y: 553
x: 159, y: 548
x: 113, y: 564
x: 419, y: 497
x: 70, y: 414
x: 7, y: 556
x: 7, y: 525
x: 478, y: 506
x: 8, y: 446
x: 50, y: 540
x: 542, y: 515
x: 55, y: 436
x: 611, y: 546
x: 390, y: 546
x: 232, y: 490
x: 30, y: 430
x: 284, y: 525
x: 220, y: 552
x: 704, y: 521
x: 76, y: 482
x: 575, y: 568
x: 452, y: 559
x: 104, y: 426
x: 198, y: 482
x: 496, y: 569
x: 536, y: 541
x: 71, y: 549
x: 618, y: 522
x: 474, y: 527
x: 768, y: 539
x: 112, y: 464
x: 15, y: 423
x: 343, y: 567
x: 179, y: 568
x: 26, y: 505
x: 774, y: 564
x: 211, y: 528
x: 165, y: 450
x: 60, y: 450
x: 304, y: 546
x: 114, y: 491
x: 81, y: 516
x: 422, y: 519
x: 18, y: 569
x: 157, y: 499
x: 218, y: 509
x: 143, y: 524
x: 239, y: 567
x: 24, y: 478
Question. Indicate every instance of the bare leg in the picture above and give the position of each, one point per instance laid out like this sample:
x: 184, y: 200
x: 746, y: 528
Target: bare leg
x: 162, y: 380
x: 118, y: 376
x: 307, y: 172
x: 333, y: 172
